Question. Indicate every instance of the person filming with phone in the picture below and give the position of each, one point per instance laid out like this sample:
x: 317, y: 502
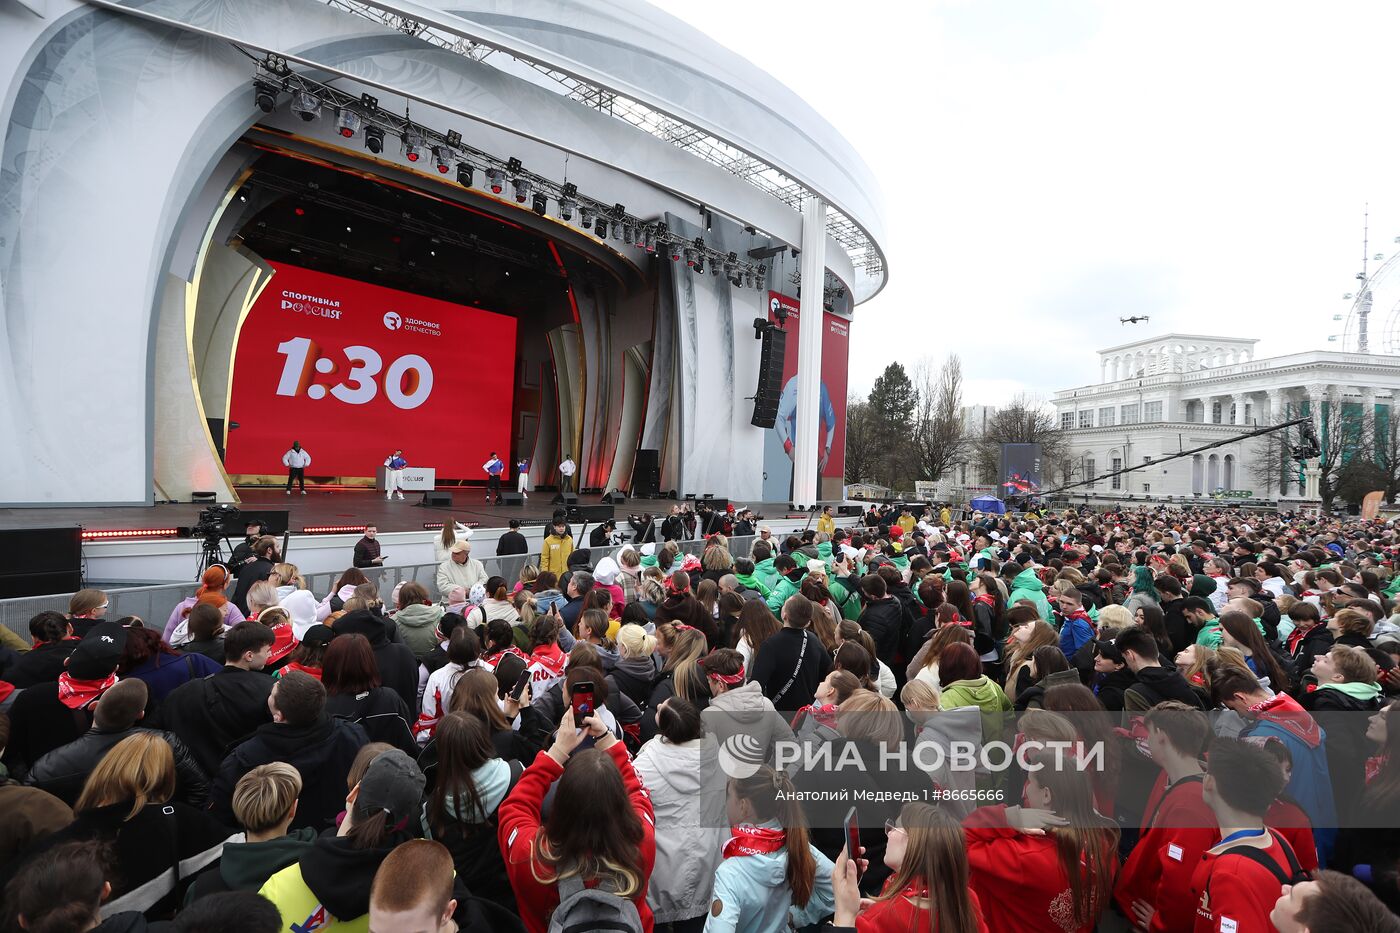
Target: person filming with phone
x: 590, y: 860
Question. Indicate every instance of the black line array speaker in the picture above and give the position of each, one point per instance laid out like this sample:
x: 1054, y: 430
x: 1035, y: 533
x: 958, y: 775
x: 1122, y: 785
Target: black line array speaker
x: 770, y: 378
x: 593, y: 514
x: 438, y: 497
x: 40, y: 561
x: 646, y: 474
x: 512, y: 498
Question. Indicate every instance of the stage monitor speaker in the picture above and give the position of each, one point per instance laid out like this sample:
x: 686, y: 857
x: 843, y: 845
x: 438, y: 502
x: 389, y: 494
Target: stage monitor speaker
x: 770, y: 378
x: 718, y: 504
x: 616, y: 497
x: 40, y: 561
x: 513, y: 499
x: 849, y: 510
x: 593, y: 514
x: 566, y: 499
x: 438, y: 497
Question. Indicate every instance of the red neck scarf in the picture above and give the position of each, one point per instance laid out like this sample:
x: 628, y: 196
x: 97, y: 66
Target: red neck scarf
x: 1374, y: 764
x: 285, y: 641
x: 77, y: 694
x: 985, y: 599
x: 1283, y: 711
x: 748, y: 839
x: 5, y: 690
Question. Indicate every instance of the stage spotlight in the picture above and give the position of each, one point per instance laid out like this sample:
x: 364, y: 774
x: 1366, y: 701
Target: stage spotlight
x: 265, y: 95
x: 566, y: 209
x: 464, y: 174
x: 497, y: 179
x: 585, y: 217
x: 522, y: 189
x: 691, y: 256
x: 700, y: 266
x: 412, y: 145
x: 540, y: 204
x: 649, y: 240
x: 443, y: 156
x: 374, y: 139
x: 306, y: 106
x: 616, y: 230
x: 349, y: 123
x: 627, y: 236
x: 676, y: 250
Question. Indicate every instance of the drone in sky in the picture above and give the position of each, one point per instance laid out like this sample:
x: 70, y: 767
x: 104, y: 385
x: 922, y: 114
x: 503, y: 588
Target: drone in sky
x: 1135, y: 319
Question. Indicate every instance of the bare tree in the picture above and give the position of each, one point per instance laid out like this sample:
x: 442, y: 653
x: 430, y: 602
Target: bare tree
x: 862, y: 446
x: 1272, y: 467
x: 938, y: 426
x: 1344, y: 436
x: 1025, y: 420
x: 1387, y: 453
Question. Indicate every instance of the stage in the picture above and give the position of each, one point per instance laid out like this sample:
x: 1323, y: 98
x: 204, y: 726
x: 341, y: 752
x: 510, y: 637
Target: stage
x: 348, y: 508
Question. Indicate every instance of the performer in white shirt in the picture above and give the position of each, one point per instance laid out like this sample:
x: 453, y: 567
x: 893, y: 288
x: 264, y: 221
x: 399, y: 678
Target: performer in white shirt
x: 522, y: 477
x: 393, y: 476
x: 296, y: 461
x: 566, y: 474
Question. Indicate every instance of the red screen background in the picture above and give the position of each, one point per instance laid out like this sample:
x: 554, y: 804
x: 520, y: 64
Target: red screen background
x: 350, y: 422
x: 836, y: 353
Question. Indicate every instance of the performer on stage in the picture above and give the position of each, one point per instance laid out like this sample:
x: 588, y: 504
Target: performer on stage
x: 296, y: 461
x: 566, y: 474
x: 393, y: 477
x: 493, y: 467
x: 522, y: 477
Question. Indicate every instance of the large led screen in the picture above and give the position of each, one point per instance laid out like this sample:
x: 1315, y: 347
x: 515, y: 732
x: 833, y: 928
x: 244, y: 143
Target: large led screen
x: 354, y: 371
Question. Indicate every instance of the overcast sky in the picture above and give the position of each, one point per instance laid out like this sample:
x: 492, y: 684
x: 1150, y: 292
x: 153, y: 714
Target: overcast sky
x: 1051, y: 165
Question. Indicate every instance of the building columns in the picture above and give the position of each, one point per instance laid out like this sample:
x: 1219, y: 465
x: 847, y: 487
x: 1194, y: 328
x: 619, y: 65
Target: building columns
x: 810, y: 322
x: 1240, y: 402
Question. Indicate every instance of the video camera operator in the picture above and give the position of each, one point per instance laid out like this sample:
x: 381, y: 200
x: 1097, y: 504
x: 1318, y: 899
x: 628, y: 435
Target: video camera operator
x: 743, y: 528
x: 243, y: 553
x: 673, y: 528
x: 644, y: 528
x: 605, y: 535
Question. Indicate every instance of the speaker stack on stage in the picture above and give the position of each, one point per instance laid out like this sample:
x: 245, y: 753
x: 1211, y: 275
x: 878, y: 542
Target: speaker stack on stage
x: 849, y: 510
x: 770, y: 378
x: 593, y: 514
x: 646, y: 474
x: 40, y: 561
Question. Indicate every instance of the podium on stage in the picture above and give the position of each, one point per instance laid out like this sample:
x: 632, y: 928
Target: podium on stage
x: 415, y: 479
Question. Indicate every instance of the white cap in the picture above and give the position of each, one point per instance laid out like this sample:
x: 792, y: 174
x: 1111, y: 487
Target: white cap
x: 816, y: 566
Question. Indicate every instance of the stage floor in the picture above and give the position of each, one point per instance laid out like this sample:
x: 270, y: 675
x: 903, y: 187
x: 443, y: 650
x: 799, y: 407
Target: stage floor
x: 343, y: 507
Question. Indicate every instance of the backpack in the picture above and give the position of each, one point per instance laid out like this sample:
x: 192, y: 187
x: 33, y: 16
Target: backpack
x: 1296, y: 874
x: 589, y: 910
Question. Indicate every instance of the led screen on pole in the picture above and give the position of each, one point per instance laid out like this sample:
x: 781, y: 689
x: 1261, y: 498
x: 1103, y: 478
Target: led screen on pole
x: 1020, y: 470
x: 831, y: 406
x: 353, y: 371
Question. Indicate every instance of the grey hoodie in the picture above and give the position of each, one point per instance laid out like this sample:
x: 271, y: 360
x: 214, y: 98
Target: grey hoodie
x: 687, y: 790
x: 745, y: 711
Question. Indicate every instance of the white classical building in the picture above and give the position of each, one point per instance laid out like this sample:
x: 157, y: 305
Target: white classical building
x: 1174, y: 392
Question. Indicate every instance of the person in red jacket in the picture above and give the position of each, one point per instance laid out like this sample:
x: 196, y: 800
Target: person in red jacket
x: 1048, y: 866
x: 929, y: 887
x: 600, y: 826
x: 1154, y: 886
x: 1237, y: 882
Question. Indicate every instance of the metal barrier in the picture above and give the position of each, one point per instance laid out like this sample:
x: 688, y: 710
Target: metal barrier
x: 154, y: 604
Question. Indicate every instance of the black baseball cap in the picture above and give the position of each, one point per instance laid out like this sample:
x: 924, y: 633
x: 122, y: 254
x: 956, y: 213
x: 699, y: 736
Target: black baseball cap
x: 96, y: 657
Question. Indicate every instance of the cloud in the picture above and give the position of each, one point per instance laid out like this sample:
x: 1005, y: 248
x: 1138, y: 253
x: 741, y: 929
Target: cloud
x: 1052, y: 165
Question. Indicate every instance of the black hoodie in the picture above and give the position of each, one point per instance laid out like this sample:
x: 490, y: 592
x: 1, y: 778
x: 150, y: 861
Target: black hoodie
x: 213, y: 714
x: 1155, y: 684
x: 398, y: 668
x: 339, y: 876
x: 322, y: 752
x: 882, y: 618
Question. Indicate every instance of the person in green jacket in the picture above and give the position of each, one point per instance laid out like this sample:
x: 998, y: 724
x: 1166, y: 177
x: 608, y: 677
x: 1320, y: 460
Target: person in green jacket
x: 763, y: 564
x: 962, y: 683
x: 744, y: 572
x: 784, y: 586
x: 1027, y: 585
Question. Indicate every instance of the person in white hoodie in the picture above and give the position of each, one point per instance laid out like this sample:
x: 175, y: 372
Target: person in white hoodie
x: 301, y: 606
x: 680, y: 769
x: 772, y: 878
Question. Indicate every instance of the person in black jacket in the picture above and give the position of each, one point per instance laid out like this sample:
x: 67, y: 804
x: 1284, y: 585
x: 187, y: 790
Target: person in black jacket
x: 214, y: 714
x: 322, y: 748
x: 791, y: 665
x: 265, y: 559
x: 53, y: 642
x: 367, y: 552
x: 881, y: 617
x: 512, y: 542
x: 1170, y: 597
x: 63, y: 771
x: 673, y: 528
x: 52, y: 714
x: 1309, y: 637
x: 1347, y: 694
x: 353, y: 692
x: 398, y: 668
x: 1155, y: 683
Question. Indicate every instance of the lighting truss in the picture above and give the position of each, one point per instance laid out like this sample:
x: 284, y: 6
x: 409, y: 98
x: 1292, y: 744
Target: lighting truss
x: 758, y: 173
x: 423, y: 138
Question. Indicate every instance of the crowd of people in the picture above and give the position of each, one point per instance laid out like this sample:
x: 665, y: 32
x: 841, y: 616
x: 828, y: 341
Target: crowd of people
x: 1198, y: 706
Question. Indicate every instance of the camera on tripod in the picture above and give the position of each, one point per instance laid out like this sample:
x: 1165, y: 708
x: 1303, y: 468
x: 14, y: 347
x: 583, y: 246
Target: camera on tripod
x: 218, y: 521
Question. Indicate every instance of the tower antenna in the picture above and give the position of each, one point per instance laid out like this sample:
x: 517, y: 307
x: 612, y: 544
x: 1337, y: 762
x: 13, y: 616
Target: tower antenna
x: 1363, y: 303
